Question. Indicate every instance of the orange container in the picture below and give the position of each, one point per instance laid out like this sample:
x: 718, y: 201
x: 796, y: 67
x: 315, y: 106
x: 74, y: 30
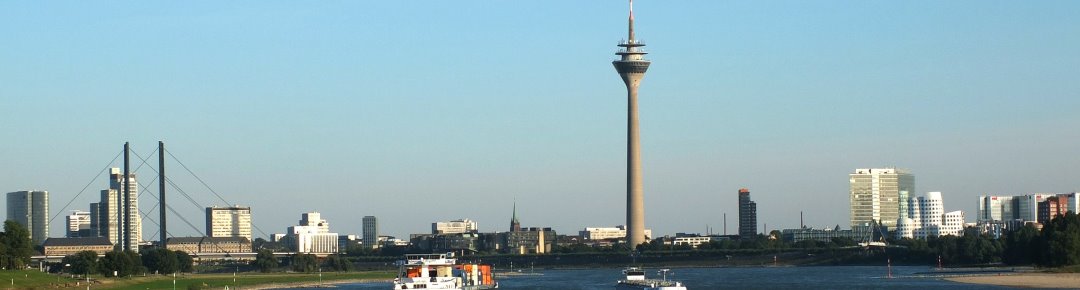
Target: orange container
x: 485, y: 272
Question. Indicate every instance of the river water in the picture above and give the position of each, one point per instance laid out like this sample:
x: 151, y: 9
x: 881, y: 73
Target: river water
x: 831, y: 277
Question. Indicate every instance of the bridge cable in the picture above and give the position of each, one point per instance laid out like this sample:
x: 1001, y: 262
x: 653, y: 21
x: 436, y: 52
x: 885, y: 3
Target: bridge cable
x: 84, y: 188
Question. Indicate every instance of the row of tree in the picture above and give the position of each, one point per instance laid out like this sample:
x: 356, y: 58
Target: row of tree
x: 1058, y: 244
x: 127, y: 263
x: 266, y: 262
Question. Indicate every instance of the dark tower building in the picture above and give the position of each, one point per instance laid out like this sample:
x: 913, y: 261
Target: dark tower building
x: 747, y: 215
x: 515, y: 225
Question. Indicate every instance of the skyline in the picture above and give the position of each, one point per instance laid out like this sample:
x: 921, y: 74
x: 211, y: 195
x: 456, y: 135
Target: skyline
x: 382, y: 102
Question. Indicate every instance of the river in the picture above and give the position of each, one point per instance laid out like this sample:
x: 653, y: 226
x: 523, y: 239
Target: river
x: 826, y: 277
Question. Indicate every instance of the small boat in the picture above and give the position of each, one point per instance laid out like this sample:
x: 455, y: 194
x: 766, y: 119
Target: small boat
x: 635, y: 279
x: 442, y: 271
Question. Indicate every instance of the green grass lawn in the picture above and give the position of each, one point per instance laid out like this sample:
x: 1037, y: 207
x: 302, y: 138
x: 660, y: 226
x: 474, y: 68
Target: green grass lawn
x: 27, y: 279
x: 218, y: 281
x: 38, y: 280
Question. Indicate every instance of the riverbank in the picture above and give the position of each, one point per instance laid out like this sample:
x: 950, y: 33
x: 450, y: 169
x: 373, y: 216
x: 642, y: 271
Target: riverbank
x: 309, y: 284
x: 1024, y: 280
x: 242, y: 281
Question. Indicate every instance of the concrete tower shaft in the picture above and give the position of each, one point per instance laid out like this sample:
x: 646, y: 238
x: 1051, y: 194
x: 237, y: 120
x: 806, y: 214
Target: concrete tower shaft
x: 631, y: 67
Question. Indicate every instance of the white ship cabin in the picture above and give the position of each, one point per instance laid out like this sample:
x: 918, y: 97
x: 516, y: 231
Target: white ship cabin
x: 634, y: 274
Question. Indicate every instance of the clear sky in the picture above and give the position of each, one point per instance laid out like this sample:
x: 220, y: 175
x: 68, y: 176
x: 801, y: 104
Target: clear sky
x: 421, y: 111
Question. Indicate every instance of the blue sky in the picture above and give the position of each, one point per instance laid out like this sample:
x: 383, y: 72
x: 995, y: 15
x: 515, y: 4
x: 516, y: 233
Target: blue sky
x: 356, y: 108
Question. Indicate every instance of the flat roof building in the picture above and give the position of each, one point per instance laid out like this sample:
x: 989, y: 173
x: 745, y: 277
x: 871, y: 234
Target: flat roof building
x: 30, y: 208
x: 232, y: 221
x: 879, y: 195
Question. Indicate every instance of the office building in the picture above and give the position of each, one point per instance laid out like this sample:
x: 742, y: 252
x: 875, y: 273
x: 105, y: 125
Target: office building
x: 997, y: 208
x: 312, y: 235
x: 1057, y: 205
x: 229, y: 221
x: 454, y: 227
x: 747, y: 215
x: 879, y: 195
x: 826, y: 235
x: 1028, y: 208
x: 314, y: 219
x: 926, y: 217
x: 527, y: 241
x: 371, y: 232
x: 59, y: 247
x: 606, y: 233
x: 31, y: 209
x: 209, y: 244
x: 78, y: 224
x: 106, y: 213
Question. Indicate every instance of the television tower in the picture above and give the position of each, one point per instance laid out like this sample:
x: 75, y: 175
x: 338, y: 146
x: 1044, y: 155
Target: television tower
x: 631, y: 67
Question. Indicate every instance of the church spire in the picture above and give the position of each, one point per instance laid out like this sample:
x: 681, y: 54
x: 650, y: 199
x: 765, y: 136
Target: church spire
x: 515, y: 226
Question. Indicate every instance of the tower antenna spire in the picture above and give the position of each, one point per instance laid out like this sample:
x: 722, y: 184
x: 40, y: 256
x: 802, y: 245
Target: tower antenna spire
x: 631, y: 21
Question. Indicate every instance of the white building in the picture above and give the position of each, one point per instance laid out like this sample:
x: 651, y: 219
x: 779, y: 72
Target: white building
x: 314, y: 219
x: 879, y: 195
x: 313, y: 235
x: 926, y: 217
x: 454, y: 227
x: 617, y: 232
x: 691, y: 241
x: 388, y: 241
x: 952, y: 224
x: 78, y: 221
x: 996, y: 208
x: 228, y: 222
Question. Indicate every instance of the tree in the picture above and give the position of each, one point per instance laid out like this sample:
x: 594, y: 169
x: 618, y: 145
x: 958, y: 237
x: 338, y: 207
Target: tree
x: 17, y: 245
x: 184, y: 262
x: 338, y: 263
x: 1061, y: 241
x: 1022, y: 247
x: 265, y: 261
x: 84, y: 262
x: 122, y: 263
x: 161, y: 261
x: 304, y: 263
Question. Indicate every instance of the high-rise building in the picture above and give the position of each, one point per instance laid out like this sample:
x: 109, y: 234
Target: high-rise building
x: 631, y: 67
x: 371, y: 232
x: 454, y: 227
x: 106, y: 221
x: 78, y: 224
x: 229, y: 221
x: 747, y: 215
x: 31, y: 209
x: 879, y: 195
